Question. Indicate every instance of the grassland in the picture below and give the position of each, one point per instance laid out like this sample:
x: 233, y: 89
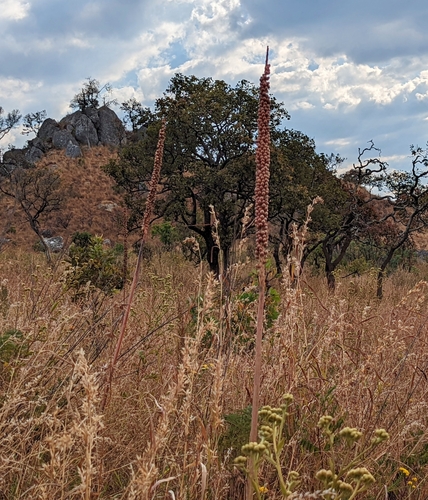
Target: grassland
x: 178, y: 410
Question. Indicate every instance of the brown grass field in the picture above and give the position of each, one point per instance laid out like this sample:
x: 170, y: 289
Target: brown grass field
x: 174, y: 419
x: 177, y: 412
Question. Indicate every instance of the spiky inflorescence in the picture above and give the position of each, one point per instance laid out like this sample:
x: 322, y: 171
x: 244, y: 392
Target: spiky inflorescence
x: 144, y: 229
x: 154, y: 180
x: 262, y: 167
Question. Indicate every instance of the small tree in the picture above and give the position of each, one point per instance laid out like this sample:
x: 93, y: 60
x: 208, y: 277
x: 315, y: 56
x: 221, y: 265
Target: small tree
x: 37, y: 192
x: 92, y: 266
x: 33, y: 121
x: 299, y: 175
x: 136, y: 115
x: 347, y: 213
x: 8, y: 121
x: 408, y: 212
x: 91, y: 94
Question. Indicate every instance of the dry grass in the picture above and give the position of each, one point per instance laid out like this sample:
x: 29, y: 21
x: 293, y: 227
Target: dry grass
x: 90, y: 203
x: 163, y: 434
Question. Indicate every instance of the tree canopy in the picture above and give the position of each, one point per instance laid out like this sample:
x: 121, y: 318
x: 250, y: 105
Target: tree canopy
x: 209, y: 164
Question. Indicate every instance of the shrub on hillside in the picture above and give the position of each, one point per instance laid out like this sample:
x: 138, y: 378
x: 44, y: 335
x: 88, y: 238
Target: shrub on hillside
x: 92, y: 265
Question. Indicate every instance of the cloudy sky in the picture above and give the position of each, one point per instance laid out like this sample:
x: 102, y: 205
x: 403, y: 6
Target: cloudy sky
x: 347, y: 71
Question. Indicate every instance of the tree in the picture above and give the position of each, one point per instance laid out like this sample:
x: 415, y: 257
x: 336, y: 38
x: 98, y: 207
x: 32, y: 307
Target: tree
x: 350, y: 212
x: 408, y: 209
x: 299, y: 175
x: 37, y: 193
x: 33, y: 121
x: 135, y: 114
x: 208, y: 159
x: 9, y: 121
x: 91, y: 94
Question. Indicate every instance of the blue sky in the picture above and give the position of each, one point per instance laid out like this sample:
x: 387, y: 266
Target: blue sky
x: 347, y: 71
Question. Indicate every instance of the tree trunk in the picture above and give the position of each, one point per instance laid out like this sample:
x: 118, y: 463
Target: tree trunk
x: 381, y: 273
x: 213, y: 253
x: 225, y: 253
x: 331, y: 280
x: 277, y: 257
x: 329, y: 266
x: 47, y: 250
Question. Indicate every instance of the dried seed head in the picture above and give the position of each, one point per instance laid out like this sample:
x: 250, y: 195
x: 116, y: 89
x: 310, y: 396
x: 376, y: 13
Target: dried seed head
x: 262, y: 167
x: 154, y: 180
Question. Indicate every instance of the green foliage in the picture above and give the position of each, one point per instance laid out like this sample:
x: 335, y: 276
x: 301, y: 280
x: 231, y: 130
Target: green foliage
x: 208, y: 158
x: 364, y: 256
x: 243, y: 320
x: 37, y: 246
x: 92, y: 266
x: 344, y: 479
x: 237, y: 431
x: 12, y: 345
x: 166, y: 232
x: 135, y: 114
x: 90, y: 95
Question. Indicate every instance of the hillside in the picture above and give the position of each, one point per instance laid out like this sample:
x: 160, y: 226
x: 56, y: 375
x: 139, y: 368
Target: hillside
x: 90, y: 203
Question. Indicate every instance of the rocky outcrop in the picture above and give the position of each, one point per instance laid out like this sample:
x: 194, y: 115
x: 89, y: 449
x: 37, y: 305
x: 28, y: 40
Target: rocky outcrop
x: 82, y: 128
x: 46, y: 131
x: 14, y: 157
x: 87, y: 128
x: 111, y: 131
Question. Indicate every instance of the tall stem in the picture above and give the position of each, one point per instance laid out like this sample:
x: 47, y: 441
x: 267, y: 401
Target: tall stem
x: 262, y: 236
x: 144, y: 229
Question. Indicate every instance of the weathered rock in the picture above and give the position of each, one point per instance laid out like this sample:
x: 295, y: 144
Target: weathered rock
x: 47, y: 130
x: 61, y: 138
x: 92, y: 114
x: 73, y: 150
x: 81, y: 127
x: 15, y: 157
x: 33, y: 154
x: 37, y: 143
x: 111, y: 131
x: 55, y: 244
x: 108, y: 205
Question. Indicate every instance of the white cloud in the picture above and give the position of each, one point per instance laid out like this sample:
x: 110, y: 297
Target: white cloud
x: 14, y: 9
x: 302, y: 105
x: 342, y: 90
x: 338, y: 142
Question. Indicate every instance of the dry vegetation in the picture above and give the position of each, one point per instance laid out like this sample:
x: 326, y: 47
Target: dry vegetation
x: 89, y: 201
x: 173, y: 422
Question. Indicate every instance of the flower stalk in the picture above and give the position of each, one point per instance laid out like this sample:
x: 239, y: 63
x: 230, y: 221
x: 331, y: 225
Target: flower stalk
x: 144, y: 229
x: 262, y: 235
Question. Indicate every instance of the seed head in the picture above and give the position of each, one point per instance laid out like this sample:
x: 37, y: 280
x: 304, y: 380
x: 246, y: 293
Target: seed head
x: 154, y: 180
x: 262, y: 167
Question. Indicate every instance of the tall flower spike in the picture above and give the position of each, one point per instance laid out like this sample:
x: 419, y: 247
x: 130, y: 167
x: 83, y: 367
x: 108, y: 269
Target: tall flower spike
x: 154, y: 181
x: 144, y: 229
x: 262, y: 236
x: 262, y: 167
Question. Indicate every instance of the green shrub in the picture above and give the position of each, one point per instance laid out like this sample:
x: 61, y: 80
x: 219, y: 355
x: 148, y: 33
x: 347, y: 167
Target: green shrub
x: 166, y: 233
x: 92, y: 266
x: 12, y: 345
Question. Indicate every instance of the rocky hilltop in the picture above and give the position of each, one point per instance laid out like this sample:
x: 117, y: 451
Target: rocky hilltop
x: 91, y: 127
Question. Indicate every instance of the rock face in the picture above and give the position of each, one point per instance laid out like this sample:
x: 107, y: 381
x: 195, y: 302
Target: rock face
x: 89, y: 128
x: 62, y: 138
x: 14, y: 158
x: 110, y: 131
x: 81, y: 127
x: 55, y: 244
x: 47, y: 130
